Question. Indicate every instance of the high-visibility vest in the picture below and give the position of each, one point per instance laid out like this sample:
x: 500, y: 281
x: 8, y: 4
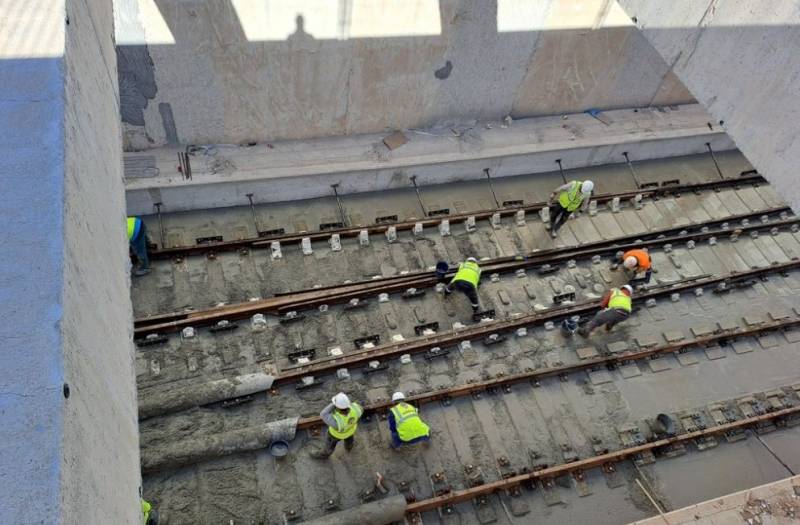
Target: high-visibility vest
x: 408, y: 423
x: 642, y: 258
x: 468, y: 271
x: 571, y: 199
x: 346, y: 424
x: 619, y: 300
x: 146, y: 508
x: 134, y: 225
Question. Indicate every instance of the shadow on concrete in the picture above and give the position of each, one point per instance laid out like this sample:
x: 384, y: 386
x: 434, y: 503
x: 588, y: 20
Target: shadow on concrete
x: 215, y: 86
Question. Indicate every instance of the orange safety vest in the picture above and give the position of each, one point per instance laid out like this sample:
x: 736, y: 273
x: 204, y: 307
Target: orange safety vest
x: 642, y: 258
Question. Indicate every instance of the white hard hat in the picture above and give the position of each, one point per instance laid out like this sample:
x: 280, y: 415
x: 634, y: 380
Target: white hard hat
x: 629, y: 288
x: 341, y: 401
x: 587, y: 187
x: 631, y: 262
x: 472, y: 259
x: 397, y: 396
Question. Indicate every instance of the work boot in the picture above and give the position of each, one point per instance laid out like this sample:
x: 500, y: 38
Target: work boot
x: 140, y: 272
x: 553, y: 234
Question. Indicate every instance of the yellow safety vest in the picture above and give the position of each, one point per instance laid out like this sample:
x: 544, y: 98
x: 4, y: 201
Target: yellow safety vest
x: 571, y: 199
x: 468, y: 271
x: 146, y: 508
x: 132, y: 223
x: 346, y: 424
x: 408, y: 423
x: 620, y: 300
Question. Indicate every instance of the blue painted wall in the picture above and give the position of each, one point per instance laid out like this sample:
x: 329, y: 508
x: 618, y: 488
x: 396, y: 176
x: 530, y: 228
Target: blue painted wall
x: 31, y: 274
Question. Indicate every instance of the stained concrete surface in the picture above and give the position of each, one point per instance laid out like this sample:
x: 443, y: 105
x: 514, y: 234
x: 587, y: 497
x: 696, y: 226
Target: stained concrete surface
x: 530, y: 425
x: 305, y: 69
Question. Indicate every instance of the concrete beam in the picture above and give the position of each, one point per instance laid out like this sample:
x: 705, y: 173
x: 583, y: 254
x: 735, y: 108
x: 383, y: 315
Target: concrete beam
x: 739, y: 59
x: 68, y: 439
x: 273, y: 172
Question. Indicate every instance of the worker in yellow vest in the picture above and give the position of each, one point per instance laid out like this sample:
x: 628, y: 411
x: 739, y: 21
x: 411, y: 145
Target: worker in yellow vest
x: 466, y: 281
x: 617, y: 305
x: 405, y: 424
x: 341, y: 416
x: 137, y: 240
x: 149, y: 515
x: 572, y: 197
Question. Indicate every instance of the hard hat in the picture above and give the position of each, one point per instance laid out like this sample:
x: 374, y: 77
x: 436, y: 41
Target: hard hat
x: 341, y: 401
x: 472, y: 259
x: 629, y: 288
x: 587, y: 187
x: 397, y: 396
x: 631, y: 262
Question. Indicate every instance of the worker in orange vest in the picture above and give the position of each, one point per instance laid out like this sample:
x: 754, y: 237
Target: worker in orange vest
x: 635, y: 262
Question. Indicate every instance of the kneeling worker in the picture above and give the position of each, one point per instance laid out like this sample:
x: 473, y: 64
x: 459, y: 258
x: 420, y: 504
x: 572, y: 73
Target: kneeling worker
x: 617, y: 305
x: 571, y: 197
x: 405, y: 424
x: 341, y: 416
x: 466, y: 281
x: 637, y: 261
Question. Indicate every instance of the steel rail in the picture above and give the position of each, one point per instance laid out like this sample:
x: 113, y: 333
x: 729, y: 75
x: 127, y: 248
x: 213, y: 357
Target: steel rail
x: 264, y: 242
x: 453, y: 337
x: 537, y: 375
x: 459, y: 496
x: 314, y: 297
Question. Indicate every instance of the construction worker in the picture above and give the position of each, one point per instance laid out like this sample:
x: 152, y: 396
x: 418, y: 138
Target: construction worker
x: 617, y: 305
x: 466, y: 281
x: 566, y: 200
x: 150, y: 515
x: 341, y: 416
x: 137, y: 239
x: 635, y: 262
x: 405, y: 424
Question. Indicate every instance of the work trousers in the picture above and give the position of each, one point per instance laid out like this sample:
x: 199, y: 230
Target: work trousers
x: 139, y: 248
x: 558, y: 216
x: 608, y: 317
x: 467, y: 289
x: 331, y: 442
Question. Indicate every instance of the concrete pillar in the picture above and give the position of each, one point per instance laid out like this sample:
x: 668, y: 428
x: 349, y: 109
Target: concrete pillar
x: 69, y: 437
x: 739, y: 59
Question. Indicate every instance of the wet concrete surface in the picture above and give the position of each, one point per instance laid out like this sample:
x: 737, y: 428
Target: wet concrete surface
x: 530, y: 425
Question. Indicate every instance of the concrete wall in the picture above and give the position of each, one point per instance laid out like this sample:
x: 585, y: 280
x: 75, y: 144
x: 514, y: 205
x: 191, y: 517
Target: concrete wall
x: 68, y: 439
x: 740, y: 60
x: 235, y: 71
x: 302, y: 169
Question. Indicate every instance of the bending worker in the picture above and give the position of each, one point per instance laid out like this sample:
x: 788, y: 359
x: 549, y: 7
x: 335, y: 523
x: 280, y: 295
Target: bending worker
x: 137, y: 239
x: 617, y: 306
x: 466, y: 281
x: 635, y: 262
x: 405, y: 424
x: 569, y: 198
x: 341, y: 416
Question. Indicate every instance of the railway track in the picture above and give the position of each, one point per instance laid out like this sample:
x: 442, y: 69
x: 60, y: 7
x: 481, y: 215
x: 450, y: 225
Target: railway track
x: 215, y: 244
x: 606, y: 461
x: 313, y: 298
x: 519, y: 389
x: 439, y: 345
